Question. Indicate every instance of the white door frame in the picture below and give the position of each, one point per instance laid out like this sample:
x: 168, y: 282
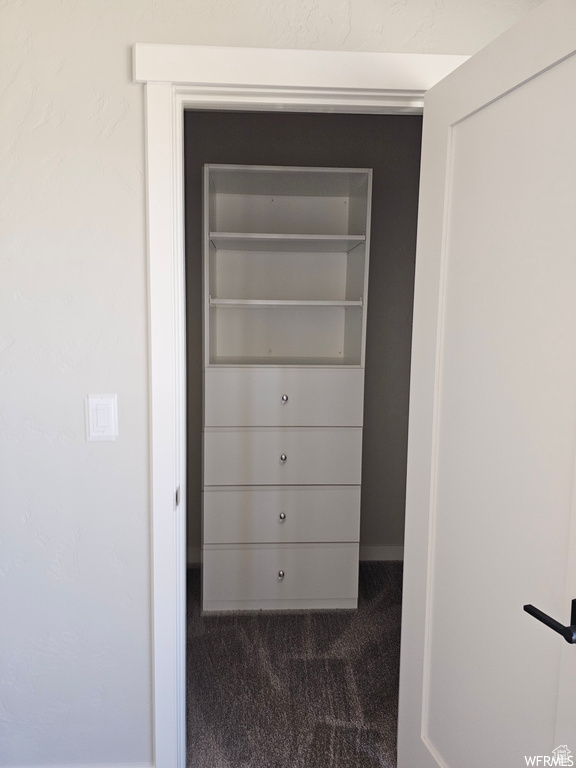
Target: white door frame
x: 200, y: 77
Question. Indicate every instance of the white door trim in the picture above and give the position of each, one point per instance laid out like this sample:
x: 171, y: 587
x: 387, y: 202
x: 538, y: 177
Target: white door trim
x: 200, y: 77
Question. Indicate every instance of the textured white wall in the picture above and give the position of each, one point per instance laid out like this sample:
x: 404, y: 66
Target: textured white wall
x: 74, y: 536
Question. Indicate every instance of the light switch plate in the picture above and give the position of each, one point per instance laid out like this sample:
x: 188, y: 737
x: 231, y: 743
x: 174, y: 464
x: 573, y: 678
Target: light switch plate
x: 101, y: 417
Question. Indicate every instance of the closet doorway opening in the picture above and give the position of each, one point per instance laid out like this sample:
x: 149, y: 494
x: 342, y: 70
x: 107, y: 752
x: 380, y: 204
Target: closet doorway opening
x: 304, y: 685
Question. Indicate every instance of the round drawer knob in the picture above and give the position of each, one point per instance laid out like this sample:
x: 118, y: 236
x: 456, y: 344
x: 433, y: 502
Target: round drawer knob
x: 280, y: 575
x: 282, y: 515
x: 284, y: 398
x: 283, y: 457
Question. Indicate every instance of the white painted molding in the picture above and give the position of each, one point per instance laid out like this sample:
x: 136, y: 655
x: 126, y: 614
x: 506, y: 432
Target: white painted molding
x: 355, y: 101
x: 167, y: 419
x: 381, y: 553
x: 86, y: 765
x: 195, y: 77
x: 288, y: 68
x: 315, y: 81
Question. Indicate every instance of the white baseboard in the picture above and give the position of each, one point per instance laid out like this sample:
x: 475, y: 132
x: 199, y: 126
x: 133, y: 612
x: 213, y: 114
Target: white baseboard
x: 88, y: 765
x: 194, y: 554
x: 381, y: 553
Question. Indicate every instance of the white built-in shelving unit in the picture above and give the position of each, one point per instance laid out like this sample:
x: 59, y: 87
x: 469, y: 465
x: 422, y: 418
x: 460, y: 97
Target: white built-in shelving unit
x: 285, y: 287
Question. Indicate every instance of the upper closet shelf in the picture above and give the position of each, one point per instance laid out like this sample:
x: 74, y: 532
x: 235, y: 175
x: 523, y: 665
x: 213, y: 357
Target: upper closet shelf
x: 255, y: 241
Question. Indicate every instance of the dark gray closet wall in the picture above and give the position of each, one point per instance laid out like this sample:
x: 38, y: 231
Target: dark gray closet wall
x: 390, y: 145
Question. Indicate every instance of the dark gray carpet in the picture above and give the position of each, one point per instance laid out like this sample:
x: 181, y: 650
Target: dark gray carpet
x: 296, y: 690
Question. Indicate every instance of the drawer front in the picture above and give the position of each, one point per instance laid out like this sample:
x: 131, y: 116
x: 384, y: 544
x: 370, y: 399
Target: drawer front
x: 265, y: 456
x: 244, y: 397
x: 250, y: 574
x: 281, y: 515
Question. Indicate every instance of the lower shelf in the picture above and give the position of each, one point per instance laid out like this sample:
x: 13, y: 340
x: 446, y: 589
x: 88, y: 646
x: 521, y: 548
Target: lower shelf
x: 289, y: 333
x: 248, y: 577
x: 288, y: 361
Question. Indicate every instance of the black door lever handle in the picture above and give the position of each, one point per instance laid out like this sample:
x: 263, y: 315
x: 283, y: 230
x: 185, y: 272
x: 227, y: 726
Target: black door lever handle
x: 568, y: 633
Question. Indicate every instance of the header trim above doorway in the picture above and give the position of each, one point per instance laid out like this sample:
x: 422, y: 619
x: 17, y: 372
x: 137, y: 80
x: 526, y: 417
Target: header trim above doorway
x: 264, y: 78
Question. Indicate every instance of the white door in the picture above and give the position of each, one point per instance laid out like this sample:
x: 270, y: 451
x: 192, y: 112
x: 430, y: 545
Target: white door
x: 491, y: 469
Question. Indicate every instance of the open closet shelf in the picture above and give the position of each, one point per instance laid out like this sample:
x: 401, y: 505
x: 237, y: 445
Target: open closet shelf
x: 286, y: 265
x: 281, y: 303
x: 257, y: 241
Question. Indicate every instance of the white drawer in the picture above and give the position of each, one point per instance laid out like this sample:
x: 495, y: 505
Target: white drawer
x: 313, y: 456
x: 247, y: 577
x: 244, y: 397
x: 281, y: 514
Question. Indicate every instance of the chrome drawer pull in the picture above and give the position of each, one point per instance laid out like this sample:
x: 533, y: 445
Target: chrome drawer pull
x: 284, y: 398
x: 282, y: 516
x: 280, y: 575
x: 283, y: 457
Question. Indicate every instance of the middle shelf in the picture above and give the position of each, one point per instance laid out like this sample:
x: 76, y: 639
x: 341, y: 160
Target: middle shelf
x: 328, y: 276
x: 282, y: 303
